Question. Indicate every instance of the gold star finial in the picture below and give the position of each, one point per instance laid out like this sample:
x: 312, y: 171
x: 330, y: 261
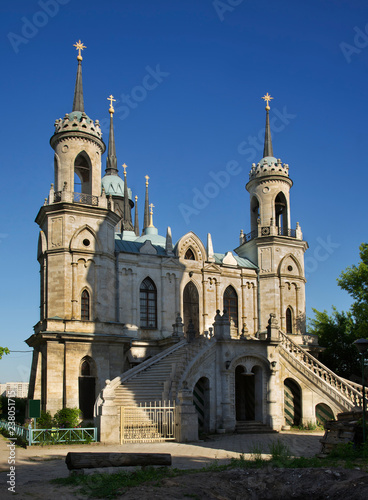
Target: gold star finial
x: 111, y: 99
x: 267, y: 98
x: 125, y: 166
x: 146, y: 177
x: 79, y: 46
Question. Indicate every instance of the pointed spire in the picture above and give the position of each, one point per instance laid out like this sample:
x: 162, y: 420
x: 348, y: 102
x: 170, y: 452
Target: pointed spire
x: 146, y: 221
x: 210, y: 254
x: 168, y: 244
x: 78, y: 103
x: 136, y: 220
x: 128, y: 226
x: 111, y: 162
x: 268, y: 150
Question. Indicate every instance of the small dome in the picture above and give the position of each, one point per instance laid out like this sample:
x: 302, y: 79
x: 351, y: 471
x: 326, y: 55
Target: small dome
x: 114, y: 185
x: 151, y: 233
x: 269, y: 159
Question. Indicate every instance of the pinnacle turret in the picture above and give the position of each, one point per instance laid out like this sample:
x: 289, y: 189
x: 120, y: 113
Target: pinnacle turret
x: 111, y: 161
x: 78, y: 102
x: 267, y: 150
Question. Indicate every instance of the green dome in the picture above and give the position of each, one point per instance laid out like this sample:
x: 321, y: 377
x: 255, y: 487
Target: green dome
x: 269, y: 159
x: 151, y: 233
x: 114, y: 185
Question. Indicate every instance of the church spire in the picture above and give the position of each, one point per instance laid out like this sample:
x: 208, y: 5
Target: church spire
x: 128, y: 226
x: 111, y: 162
x: 136, y: 220
x: 78, y: 103
x: 267, y: 150
x: 146, y: 221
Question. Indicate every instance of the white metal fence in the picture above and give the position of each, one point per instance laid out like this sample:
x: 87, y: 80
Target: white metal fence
x: 148, y: 423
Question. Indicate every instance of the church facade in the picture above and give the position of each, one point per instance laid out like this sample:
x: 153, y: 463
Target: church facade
x: 129, y: 316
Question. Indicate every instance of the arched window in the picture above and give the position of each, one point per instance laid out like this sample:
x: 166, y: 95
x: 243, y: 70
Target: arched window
x: 82, y: 171
x: 281, y: 214
x: 85, y: 306
x: 254, y: 213
x: 289, y: 320
x: 148, y: 304
x: 189, y: 255
x: 86, y: 369
x: 231, y: 304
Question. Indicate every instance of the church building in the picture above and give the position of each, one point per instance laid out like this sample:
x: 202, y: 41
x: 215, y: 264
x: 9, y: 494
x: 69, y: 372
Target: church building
x: 129, y: 317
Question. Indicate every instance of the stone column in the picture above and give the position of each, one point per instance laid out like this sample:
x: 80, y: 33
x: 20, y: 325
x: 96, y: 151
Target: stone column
x: 217, y: 295
x: 244, y: 317
x: 296, y: 315
x: 186, y: 417
x: 177, y: 295
x: 204, y: 313
x: 274, y: 400
x: 282, y: 312
x: 162, y: 301
x: 255, y: 315
x: 74, y: 290
x: 134, y: 299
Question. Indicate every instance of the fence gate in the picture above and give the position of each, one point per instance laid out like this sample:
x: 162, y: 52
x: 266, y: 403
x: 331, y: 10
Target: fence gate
x: 148, y: 423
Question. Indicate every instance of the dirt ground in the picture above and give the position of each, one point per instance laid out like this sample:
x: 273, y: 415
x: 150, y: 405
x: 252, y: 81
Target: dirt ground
x: 236, y: 484
x: 36, y: 466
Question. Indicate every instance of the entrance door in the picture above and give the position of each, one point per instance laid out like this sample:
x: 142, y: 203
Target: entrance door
x: 87, y: 387
x: 292, y: 402
x: 191, y: 307
x: 244, y: 395
x: 201, y: 402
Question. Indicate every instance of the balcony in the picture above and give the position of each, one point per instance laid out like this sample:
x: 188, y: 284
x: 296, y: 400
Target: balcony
x: 273, y: 231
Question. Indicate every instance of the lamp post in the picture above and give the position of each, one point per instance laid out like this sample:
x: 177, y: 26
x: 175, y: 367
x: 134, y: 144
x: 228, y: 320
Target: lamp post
x: 362, y: 346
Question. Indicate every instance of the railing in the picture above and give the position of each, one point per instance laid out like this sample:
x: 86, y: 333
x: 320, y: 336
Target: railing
x: 52, y: 436
x: 55, y: 436
x: 15, y: 430
x: 82, y: 198
x: 270, y: 230
x: 85, y: 199
x: 284, y: 231
x: 356, y: 386
x: 153, y: 422
x: 57, y: 196
x: 322, y: 374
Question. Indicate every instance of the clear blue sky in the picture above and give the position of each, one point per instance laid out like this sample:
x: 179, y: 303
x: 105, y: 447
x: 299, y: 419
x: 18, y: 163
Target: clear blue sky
x: 216, y: 60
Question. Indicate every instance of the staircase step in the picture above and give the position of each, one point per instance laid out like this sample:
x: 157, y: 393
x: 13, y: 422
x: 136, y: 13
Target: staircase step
x: 251, y: 427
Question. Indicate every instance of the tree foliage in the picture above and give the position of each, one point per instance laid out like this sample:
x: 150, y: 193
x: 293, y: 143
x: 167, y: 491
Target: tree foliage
x: 338, y: 331
x: 4, y: 350
x: 355, y: 281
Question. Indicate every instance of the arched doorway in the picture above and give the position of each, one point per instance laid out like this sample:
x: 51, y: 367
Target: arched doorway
x: 323, y: 413
x: 201, y: 401
x: 87, y: 387
x: 191, y: 306
x: 292, y: 402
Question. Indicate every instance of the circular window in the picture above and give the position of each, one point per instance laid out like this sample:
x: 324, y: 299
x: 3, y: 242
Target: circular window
x: 290, y: 268
x: 86, y: 243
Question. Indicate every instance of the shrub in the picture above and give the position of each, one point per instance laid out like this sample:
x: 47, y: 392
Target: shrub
x: 45, y: 421
x: 67, y: 418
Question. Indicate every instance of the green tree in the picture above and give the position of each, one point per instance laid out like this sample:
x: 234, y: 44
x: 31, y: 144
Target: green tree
x: 336, y: 333
x: 4, y: 350
x: 355, y: 281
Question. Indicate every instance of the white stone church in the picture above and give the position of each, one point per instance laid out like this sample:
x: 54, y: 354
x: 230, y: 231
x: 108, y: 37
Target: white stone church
x: 130, y: 317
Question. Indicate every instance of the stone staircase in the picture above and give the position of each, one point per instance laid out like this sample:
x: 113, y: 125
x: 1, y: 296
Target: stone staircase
x: 343, y: 392
x: 157, y: 378
x: 252, y: 427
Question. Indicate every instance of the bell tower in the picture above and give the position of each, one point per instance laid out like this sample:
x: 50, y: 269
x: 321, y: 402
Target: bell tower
x: 76, y: 251
x: 272, y: 244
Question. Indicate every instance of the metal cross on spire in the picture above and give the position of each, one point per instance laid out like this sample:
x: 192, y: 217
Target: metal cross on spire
x: 111, y: 99
x: 152, y: 206
x: 146, y: 177
x: 79, y: 46
x: 267, y: 98
x: 125, y: 166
